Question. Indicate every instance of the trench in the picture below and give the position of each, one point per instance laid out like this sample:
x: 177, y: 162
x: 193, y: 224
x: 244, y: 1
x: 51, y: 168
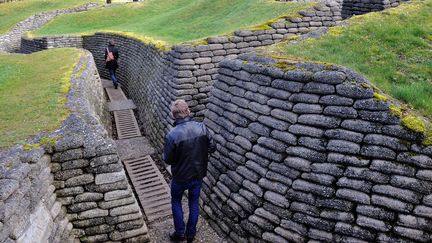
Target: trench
x: 149, y: 184
x: 146, y: 79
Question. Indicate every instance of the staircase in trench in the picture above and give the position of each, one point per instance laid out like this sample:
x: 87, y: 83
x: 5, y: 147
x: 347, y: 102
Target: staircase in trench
x: 135, y: 152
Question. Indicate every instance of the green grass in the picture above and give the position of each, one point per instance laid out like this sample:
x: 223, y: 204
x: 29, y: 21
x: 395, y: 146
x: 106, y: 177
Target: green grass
x: 393, y: 49
x: 14, y: 12
x: 32, y: 92
x: 173, y: 21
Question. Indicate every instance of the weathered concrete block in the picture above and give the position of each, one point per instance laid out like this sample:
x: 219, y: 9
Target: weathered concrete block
x: 391, y: 204
x: 7, y: 187
x: 79, y: 180
x: 336, y: 100
x: 110, y: 177
x: 354, y: 196
x: 319, y: 121
x: 337, y: 215
x: 133, y: 208
x: 71, y: 154
x: 342, y: 146
x: 88, y: 197
x: 313, y: 188
x: 119, y: 194
x: 99, y: 229
x: 80, y: 207
x: 93, y: 213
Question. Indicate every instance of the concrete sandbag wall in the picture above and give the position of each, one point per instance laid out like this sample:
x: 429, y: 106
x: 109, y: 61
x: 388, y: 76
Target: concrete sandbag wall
x: 154, y: 78
x: 70, y: 183
x: 307, y: 153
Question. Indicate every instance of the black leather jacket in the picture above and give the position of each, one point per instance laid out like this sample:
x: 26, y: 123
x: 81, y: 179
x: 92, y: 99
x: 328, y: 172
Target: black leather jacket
x: 187, y: 147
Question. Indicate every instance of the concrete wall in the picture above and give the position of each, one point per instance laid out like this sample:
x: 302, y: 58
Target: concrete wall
x: 199, y: 63
x: 358, y: 7
x: 307, y: 153
x: 74, y: 185
x: 154, y: 78
x: 29, y: 211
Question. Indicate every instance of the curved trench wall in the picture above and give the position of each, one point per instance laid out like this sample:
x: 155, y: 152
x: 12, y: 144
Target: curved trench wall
x: 74, y: 186
x: 358, y: 7
x: 28, y: 206
x: 147, y: 77
x: 154, y: 78
x: 309, y: 154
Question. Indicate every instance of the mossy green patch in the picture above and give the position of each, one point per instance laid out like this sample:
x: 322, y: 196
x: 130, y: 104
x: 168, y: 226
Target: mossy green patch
x: 30, y: 146
x: 414, y: 123
x: 365, y: 86
x: 199, y: 42
x: 159, y: 44
x: 336, y: 31
x: 380, y: 97
x: 49, y: 140
x: 293, y: 37
x: 396, y: 111
x: 33, y: 92
x: 285, y: 65
x: 428, y: 140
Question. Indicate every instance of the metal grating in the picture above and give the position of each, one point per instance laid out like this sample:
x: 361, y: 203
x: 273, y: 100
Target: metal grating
x: 126, y: 124
x: 152, y: 189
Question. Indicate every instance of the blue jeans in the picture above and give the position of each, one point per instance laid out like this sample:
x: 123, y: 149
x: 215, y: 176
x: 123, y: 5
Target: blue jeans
x: 113, y: 76
x: 177, y: 190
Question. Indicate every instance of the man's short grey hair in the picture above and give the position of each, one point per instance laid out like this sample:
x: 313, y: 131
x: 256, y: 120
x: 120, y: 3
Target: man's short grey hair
x: 180, y: 109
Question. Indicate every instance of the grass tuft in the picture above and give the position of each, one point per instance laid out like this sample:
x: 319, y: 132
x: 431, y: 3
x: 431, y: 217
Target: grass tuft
x: 414, y: 123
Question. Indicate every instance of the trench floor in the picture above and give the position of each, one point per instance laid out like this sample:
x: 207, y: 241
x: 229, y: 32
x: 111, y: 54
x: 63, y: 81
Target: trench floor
x: 148, y: 183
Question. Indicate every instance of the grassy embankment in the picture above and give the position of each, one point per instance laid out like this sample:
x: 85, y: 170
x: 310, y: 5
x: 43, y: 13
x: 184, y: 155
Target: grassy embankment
x: 393, y: 49
x: 33, y: 92
x: 173, y: 21
x: 14, y: 12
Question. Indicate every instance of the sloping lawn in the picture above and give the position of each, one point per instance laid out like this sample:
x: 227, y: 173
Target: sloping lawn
x: 14, y: 12
x: 393, y: 49
x: 173, y: 21
x: 32, y: 92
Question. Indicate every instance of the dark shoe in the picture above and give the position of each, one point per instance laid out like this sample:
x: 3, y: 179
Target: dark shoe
x: 116, y: 86
x: 176, y: 238
x: 190, y: 239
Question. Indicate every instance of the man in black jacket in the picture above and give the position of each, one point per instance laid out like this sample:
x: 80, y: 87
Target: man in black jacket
x: 186, y: 149
x: 111, y: 57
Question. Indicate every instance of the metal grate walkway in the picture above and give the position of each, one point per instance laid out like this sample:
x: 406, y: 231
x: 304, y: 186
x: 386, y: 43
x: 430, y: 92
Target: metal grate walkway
x: 151, y: 187
x: 126, y: 124
x: 152, y: 190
